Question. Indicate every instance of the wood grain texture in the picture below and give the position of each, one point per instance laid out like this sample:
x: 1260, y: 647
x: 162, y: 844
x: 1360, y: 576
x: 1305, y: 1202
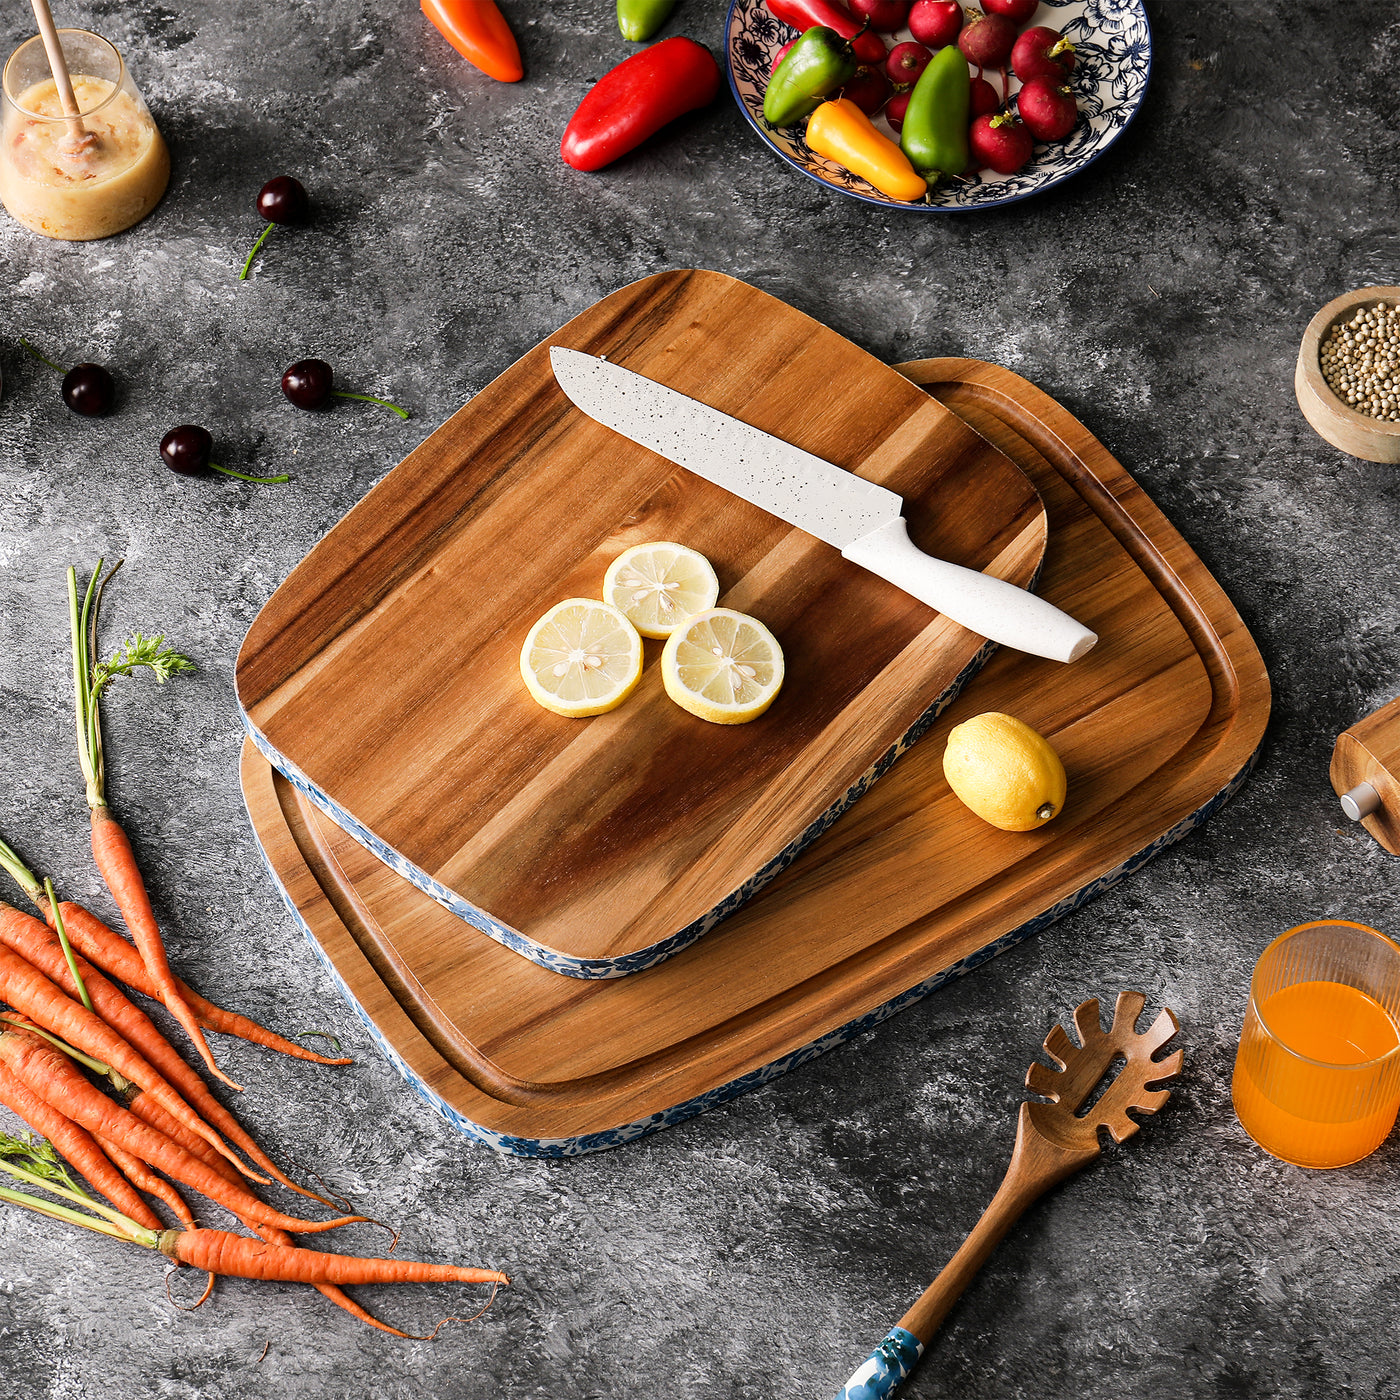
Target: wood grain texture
x: 1161, y: 717
x: 1369, y: 752
x: 385, y: 667
x: 1359, y: 434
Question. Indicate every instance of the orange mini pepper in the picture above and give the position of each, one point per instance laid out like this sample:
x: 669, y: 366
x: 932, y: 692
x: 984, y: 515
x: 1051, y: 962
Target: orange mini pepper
x: 478, y: 31
x: 840, y: 131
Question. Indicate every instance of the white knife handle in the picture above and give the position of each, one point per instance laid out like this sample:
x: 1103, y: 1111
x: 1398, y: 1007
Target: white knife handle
x: 988, y: 606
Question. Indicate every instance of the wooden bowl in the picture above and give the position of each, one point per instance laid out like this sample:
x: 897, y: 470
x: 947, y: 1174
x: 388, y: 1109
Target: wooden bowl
x: 1355, y: 433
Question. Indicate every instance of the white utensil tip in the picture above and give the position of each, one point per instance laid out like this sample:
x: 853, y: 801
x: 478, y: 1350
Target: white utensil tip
x: 1361, y: 801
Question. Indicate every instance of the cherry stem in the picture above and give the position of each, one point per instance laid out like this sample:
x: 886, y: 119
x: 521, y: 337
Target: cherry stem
x: 243, y: 476
x: 262, y: 238
x: 43, y: 359
x: 369, y: 398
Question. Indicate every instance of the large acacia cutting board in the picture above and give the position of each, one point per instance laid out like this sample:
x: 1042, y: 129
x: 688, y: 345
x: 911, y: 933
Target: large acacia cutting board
x: 1157, y: 726
x: 382, y: 676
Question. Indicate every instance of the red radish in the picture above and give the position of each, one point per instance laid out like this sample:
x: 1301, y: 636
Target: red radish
x: 1042, y: 53
x: 895, y: 109
x: 885, y: 15
x: 987, y: 39
x: 869, y: 90
x: 1048, y: 109
x: 936, y: 23
x: 1017, y: 11
x: 983, y: 98
x: 1000, y: 142
x: 905, y: 63
x: 780, y: 55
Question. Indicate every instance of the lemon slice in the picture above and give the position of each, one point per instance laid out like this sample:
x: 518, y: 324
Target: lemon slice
x: 1005, y: 771
x: 581, y: 658
x: 657, y: 586
x: 722, y: 665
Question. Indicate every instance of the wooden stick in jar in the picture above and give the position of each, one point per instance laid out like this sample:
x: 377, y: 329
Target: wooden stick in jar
x: 79, y: 137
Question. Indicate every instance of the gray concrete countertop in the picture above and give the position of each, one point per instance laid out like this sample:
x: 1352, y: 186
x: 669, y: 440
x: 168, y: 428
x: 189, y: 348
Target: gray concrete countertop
x: 759, y: 1250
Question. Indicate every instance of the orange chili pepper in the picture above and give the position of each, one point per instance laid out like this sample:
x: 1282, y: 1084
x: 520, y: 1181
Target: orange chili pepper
x: 479, y: 32
x: 840, y: 131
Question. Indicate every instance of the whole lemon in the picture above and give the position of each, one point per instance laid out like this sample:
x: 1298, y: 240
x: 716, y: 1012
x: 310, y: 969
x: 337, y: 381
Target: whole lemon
x: 1005, y: 772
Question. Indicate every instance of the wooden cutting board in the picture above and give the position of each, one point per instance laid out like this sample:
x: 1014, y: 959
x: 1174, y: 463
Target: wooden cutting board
x: 1158, y: 726
x: 383, y: 675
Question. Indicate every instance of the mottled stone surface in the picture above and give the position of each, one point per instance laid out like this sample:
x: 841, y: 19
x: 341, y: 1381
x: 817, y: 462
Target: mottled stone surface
x: 762, y: 1249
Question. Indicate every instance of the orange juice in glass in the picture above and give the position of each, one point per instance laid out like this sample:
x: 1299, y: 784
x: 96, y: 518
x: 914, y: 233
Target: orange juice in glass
x: 1317, y: 1076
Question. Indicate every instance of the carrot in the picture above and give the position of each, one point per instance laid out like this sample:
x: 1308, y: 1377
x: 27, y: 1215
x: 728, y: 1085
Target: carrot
x: 236, y: 1256
x: 152, y: 1113
x: 154, y: 1116
x: 111, y: 952
x: 115, y: 956
x: 116, y: 862
x: 36, y: 943
x: 50, y: 1075
x: 78, y: 1146
x: 111, y: 851
x: 29, y: 991
x: 144, y: 1179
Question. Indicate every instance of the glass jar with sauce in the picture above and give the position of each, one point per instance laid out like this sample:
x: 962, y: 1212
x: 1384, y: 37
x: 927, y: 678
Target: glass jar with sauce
x: 84, y: 177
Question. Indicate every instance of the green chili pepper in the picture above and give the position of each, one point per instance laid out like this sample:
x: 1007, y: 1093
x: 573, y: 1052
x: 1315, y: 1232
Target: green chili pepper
x: 817, y: 64
x: 935, y: 126
x: 640, y: 19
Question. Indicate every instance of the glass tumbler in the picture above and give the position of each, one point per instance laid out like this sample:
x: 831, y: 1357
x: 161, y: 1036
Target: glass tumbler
x: 1317, y: 1075
x: 83, y: 176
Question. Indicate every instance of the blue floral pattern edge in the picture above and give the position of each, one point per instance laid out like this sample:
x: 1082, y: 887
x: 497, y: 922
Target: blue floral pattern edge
x: 1113, y: 51
x: 642, y: 958
x: 724, y: 1093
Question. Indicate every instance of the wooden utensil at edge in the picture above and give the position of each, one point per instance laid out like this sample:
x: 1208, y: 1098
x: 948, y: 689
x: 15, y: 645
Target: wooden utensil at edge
x: 1052, y: 1143
x: 79, y: 137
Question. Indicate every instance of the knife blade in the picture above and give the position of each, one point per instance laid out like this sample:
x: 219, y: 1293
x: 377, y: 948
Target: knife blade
x: 863, y: 520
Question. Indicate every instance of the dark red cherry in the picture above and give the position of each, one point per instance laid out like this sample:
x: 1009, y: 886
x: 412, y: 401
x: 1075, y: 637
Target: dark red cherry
x: 89, y: 390
x: 308, y: 383
x: 186, y: 449
x: 283, y: 201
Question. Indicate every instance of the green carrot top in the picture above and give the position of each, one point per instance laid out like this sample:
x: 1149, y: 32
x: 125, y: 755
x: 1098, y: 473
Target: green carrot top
x: 91, y: 677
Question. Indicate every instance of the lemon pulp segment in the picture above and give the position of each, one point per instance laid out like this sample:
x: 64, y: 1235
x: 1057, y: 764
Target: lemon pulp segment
x: 723, y: 666
x: 581, y: 658
x: 657, y: 586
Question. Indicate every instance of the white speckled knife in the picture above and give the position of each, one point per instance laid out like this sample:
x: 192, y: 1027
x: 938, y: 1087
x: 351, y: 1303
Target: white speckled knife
x: 864, y: 521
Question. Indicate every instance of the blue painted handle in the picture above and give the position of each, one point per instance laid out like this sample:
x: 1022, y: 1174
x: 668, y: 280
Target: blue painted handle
x: 885, y: 1367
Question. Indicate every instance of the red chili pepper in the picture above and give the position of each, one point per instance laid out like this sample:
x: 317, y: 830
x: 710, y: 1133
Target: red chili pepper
x: 637, y: 98
x: 805, y: 14
x: 479, y: 32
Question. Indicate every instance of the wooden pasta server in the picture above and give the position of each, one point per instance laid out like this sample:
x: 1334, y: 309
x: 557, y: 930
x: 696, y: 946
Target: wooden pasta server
x: 1052, y: 1143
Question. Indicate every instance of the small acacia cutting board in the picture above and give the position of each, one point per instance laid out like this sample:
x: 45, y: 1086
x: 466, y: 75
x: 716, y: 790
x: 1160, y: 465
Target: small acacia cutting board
x: 1157, y: 726
x: 382, y: 676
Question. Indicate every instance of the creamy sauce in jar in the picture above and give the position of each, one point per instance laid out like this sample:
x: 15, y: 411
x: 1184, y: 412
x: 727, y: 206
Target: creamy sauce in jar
x: 105, y: 185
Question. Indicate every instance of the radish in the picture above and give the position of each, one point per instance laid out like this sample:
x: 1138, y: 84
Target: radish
x: 1048, y: 109
x: 895, y: 109
x: 936, y: 23
x: 1017, y: 11
x: 905, y: 63
x: 1042, y: 53
x: 780, y: 55
x: 983, y: 99
x: 869, y: 90
x: 987, y: 40
x: 886, y: 15
x: 1000, y: 142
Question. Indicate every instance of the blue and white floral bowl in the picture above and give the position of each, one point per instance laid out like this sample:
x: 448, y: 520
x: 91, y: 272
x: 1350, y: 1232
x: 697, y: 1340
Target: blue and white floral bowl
x: 1113, y: 51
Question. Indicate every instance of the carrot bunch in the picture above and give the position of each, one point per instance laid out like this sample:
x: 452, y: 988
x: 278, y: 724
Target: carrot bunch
x: 89, y: 1071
